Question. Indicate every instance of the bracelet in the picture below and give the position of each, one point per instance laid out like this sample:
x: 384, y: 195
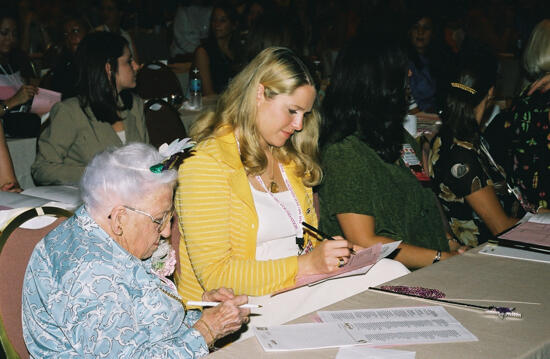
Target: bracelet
x: 209, y: 331
x: 5, y: 107
x: 437, y: 257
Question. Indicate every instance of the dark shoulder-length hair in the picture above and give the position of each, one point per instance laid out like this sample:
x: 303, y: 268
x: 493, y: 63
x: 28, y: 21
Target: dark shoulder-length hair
x: 96, y: 88
x: 367, y: 95
x: 476, y: 75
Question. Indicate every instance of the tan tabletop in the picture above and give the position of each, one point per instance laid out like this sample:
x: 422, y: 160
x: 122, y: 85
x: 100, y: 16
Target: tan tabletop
x: 470, y: 276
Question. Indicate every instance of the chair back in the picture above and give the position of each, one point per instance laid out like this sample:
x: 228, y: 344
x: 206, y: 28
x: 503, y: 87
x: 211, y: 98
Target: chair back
x: 156, y: 80
x: 16, y: 246
x: 163, y: 122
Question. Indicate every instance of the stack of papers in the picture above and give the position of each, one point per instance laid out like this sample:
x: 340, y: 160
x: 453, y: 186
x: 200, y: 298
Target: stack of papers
x: 529, y: 240
x: 372, y: 327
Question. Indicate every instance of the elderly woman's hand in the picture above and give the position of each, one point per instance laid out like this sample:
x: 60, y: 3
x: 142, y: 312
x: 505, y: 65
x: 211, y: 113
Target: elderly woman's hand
x: 223, y: 319
x: 218, y: 295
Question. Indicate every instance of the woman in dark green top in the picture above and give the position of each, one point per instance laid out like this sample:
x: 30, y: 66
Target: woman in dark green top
x: 372, y: 189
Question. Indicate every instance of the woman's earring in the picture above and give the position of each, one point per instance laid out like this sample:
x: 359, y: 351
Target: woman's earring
x: 119, y: 231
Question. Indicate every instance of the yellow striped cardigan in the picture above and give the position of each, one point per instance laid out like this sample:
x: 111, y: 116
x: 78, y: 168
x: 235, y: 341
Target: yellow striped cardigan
x: 219, y: 224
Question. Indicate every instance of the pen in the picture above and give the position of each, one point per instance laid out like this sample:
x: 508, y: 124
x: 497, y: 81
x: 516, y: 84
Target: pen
x: 213, y: 304
x: 321, y: 233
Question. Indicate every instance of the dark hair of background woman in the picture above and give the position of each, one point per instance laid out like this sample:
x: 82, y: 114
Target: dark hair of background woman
x: 16, y: 58
x: 478, y: 71
x: 94, y: 87
x: 367, y: 95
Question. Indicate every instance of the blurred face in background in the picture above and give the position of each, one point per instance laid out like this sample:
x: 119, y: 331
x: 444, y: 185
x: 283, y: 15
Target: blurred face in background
x: 8, y: 35
x: 73, y: 33
x: 421, y: 34
x: 221, y: 24
x: 110, y: 13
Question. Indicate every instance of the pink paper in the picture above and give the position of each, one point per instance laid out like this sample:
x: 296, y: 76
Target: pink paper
x: 531, y: 233
x: 363, y: 258
x: 6, y: 92
x: 44, y: 100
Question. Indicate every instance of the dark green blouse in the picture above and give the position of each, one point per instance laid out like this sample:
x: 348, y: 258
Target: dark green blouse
x: 357, y: 180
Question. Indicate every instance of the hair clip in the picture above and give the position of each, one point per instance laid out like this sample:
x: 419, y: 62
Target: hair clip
x: 463, y: 87
x: 174, y: 154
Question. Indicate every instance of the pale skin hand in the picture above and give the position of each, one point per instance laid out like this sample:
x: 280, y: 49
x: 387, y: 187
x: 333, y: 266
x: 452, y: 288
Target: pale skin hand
x: 359, y: 229
x: 223, y: 319
x: 542, y: 85
x: 324, y: 258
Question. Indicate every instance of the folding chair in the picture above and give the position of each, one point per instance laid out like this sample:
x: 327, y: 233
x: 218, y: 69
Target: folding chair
x: 156, y: 80
x: 16, y: 246
x: 163, y: 122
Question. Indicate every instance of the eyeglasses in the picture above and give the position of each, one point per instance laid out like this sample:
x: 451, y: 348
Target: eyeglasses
x: 161, y: 223
x: 73, y: 31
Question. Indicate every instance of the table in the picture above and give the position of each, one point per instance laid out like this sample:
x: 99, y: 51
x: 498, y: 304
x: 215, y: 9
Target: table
x: 23, y: 153
x: 471, y: 275
x: 189, y: 117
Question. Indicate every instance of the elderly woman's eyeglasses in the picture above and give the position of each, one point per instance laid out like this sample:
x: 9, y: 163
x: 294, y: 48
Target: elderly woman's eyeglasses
x: 160, y: 222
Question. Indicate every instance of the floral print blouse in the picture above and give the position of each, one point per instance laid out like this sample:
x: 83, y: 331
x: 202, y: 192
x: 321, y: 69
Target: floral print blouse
x: 84, y: 296
x: 521, y: 136
x: 457, y: 168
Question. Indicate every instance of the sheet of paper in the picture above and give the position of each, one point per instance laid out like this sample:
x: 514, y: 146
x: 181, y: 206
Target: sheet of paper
x: 303, y: 336
x: 361, y: 352
x: 509, y: 252
x: 44, y: 100
x: 19, y: 200
x: 371, y: 327
x: 64, y: 194
x: 397, y: 326
x: 543, y: 218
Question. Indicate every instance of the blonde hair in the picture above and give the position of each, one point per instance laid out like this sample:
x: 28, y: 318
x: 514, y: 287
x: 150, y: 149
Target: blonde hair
x: 280, y: 71
x: 536, y: 58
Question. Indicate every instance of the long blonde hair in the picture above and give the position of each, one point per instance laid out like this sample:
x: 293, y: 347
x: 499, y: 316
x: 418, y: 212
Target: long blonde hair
x: 280, y: 71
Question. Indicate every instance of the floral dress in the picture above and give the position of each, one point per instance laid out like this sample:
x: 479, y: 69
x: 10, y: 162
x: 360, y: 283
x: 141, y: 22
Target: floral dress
x: 84, y: 296
x: 457, y: 169
x: 521, y: 136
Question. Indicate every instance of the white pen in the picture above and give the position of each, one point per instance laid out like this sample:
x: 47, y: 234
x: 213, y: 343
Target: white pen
x: 213, y: 304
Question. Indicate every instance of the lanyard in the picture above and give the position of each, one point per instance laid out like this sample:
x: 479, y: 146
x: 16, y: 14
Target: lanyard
x: 513, y: 190
x: 297, y: 227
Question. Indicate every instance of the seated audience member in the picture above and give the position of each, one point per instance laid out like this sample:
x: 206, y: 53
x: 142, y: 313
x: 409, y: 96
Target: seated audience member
x: 423, y: 61
x: 14, y: 69
x: 216, y: 59
x: 191, y: 24
x: 520, y: 137
x: 371, y: 190
x: 270, y: 30
x: 90, y: 289
x: 466, y: 182
x: 8, y: 181
x: 64, y: 73
x: 243, y: 195
x: 112, y: 12
x: 104, y: 113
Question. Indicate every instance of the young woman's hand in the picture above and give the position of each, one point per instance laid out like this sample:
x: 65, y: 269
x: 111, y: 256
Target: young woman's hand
x: 24, y: 94
x: 325, y: 258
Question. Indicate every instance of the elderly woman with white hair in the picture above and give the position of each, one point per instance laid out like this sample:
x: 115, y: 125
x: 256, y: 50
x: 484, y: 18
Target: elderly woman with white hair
x: 90, y: 289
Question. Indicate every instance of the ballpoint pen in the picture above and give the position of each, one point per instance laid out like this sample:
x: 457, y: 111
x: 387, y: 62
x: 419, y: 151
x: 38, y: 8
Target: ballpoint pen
x: 321, y: 233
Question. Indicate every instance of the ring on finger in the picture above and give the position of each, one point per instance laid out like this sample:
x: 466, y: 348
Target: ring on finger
x: 341, y: 262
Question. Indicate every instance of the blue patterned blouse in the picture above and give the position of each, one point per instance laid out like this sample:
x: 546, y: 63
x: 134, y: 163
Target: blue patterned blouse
x: 84, y: 296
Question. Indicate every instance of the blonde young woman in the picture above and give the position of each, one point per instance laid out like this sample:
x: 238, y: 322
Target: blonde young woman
x: 243, y: 195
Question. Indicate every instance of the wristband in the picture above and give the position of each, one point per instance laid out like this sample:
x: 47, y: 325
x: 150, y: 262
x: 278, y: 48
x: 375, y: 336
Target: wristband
x: 437, y: 257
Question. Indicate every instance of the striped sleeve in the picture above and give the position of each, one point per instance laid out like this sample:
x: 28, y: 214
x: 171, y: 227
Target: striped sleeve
x: 219, y: 234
